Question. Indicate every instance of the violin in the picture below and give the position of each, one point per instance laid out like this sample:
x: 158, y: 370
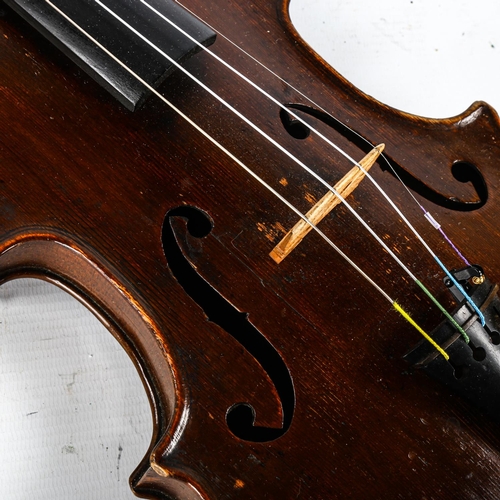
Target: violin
x: 249, y: 226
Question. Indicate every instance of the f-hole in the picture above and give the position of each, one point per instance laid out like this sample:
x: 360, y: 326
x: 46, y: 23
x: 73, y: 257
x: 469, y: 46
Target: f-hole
x: 462, y: 171
x: 240, y: 417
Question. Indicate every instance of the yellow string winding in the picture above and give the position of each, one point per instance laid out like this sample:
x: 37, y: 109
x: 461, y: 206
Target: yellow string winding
x: 408, y: 318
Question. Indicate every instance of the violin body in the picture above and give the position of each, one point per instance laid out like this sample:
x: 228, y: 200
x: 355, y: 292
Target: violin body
x: 167, y: 240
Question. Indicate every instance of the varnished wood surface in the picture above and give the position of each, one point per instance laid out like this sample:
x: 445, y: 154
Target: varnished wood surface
x: 86, y: 187
x: 341, y: 191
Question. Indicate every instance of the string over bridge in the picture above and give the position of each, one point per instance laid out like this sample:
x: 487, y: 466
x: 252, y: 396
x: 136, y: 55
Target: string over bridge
x: 324, y: 206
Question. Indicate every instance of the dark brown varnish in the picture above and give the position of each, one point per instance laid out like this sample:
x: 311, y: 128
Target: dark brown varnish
x: 84, y: 190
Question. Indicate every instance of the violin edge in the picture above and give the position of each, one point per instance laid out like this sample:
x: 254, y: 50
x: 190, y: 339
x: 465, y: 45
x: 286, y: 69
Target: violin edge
x: 460, y: 120
x: 69, y: 265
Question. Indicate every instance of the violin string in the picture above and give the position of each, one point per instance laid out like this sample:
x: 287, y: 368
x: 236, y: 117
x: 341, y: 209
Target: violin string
x: 432, y: 221
x: 428, y: 216
x: 393, y: 302
x: 287, y: 153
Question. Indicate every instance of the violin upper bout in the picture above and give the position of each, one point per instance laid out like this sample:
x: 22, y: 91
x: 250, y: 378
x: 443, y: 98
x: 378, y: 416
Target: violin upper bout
x: 479, y: 114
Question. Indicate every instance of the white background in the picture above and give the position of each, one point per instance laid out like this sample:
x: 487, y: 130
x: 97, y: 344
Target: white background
x: 429, y: 57
x: 74, y: 419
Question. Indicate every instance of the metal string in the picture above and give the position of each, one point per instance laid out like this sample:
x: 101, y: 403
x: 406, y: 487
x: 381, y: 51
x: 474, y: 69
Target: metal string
x: 394, y: 303
x: 427, y: 214
x: 295, y: 159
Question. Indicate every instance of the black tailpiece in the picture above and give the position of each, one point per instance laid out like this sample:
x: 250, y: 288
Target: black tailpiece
x: 473, y: 370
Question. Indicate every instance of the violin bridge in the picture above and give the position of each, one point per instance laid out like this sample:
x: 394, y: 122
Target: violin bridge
x: 324, y: 206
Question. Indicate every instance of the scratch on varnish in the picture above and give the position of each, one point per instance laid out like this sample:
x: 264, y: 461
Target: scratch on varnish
x: 273, y: 232
x: 279, y: 227
x: 283, y: 182
x: 269, y: 233
x: 310, y: 198
x: 324, y: 206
